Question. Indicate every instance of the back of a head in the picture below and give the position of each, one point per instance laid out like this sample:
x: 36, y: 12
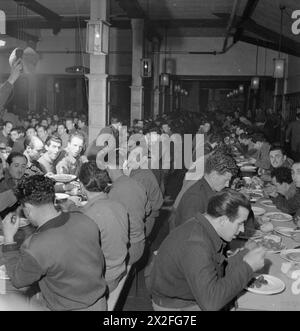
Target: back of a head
x: 258, y: 137
x: 37, y: 190
x: 221, y: 163
x: 227, y: 203
x: 93, y: 178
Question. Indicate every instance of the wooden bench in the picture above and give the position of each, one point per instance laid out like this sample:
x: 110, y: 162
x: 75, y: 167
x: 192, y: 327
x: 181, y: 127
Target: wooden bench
x: 115, y: 294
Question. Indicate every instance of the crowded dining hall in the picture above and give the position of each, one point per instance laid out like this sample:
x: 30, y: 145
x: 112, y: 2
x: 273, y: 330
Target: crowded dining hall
x: 150, y: 155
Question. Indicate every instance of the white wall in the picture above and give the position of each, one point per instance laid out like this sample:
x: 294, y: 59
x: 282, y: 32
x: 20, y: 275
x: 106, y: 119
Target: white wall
x: 55, y: 58
x: 239, y: 60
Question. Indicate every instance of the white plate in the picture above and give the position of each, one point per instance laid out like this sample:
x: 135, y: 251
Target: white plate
x: 267, y: 203
x: 286, y: 254
x: 61, y: 196
x: 249, y: 168
x: 278, y: 216
x: 275, y: 285
x: 288, y: 232
x: 62, y: 178
x: 257, y: 211
x: 23, y: 222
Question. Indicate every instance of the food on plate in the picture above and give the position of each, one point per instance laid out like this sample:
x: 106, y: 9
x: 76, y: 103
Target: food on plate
x: 295, y: 256
x: 270, y: 242
x: 267, y: 227
x: 258, y: 282
x: 279, y: 216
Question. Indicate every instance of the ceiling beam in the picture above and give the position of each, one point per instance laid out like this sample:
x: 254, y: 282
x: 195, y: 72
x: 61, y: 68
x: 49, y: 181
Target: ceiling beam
x: 269, y: 45
x: 133, y: 10
x: 191, y: 23
x: 43, y: 11
x: 271, y: 35
x: 248, y: 11
x: 39, y: 23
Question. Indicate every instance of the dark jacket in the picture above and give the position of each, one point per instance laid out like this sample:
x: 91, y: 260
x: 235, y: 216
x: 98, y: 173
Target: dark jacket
x: 65, y: 257
x: 194, y: 200
x: 191, y: 268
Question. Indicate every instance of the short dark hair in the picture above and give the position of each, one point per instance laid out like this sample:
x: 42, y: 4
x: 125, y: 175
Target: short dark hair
x: 221, y: 163
x: 277, y: 148
x: 12, y: 155
x: 36, y: 189
x: 93, y: 178
x: 282, y: 175
x: 227, y: 203
x: 54, y: 138
x: 258, y: 137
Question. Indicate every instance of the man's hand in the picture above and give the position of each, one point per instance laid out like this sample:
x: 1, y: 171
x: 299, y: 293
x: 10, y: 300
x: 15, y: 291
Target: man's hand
x: 255, y: 258
x: 16, y: 71
x: 10, y: 226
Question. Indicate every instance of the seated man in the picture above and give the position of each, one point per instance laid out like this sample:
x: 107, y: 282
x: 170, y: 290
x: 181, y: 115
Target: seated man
x: 132, y: 195
x: 111, y: 218
x: 287, y: 197
x: 218, y: 171
x: 33, y: 150
x: 72, y: 161
x: 48, y: 160
x: 64, y: 254
x: 13, y: 174
x: 262, y: 147
x: 191, y: 271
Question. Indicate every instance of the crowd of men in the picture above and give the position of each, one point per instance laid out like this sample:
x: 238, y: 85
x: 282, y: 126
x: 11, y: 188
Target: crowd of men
x: 79, y: 252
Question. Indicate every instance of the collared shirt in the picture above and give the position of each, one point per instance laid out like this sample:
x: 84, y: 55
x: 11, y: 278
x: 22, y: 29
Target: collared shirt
x: 194, y: 200
x: 65, y: 257
x: 69, y: 165
x: 191, y: 268
x: 47, y: 164
x: 112, y: 220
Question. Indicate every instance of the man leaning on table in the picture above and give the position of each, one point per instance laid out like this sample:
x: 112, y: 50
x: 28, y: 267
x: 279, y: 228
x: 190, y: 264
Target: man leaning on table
x: 191, y: 270
x: 63, y: 255
x: 287, y: 183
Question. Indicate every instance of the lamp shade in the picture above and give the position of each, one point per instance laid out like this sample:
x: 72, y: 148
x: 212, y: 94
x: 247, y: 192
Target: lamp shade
x: 97, y: 37
x: 279, y: 68
x: 255, y: 83
x: 164, y: 79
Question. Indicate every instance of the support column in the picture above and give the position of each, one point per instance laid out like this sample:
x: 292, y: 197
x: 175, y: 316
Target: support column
x: 156, y: 62
x: 79, y: 94
x: 32, y: 90
x: 97, y: 78
x: 50, y: 98
x: 137, y: 92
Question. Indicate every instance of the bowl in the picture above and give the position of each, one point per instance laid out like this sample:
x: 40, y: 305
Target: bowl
x: 257, y: 211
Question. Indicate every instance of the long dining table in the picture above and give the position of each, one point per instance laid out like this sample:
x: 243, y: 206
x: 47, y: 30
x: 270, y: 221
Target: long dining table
x: 284, y: 301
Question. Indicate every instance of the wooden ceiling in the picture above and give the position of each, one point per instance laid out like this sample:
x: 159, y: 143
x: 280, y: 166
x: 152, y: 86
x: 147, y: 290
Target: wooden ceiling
x: 253, y: 21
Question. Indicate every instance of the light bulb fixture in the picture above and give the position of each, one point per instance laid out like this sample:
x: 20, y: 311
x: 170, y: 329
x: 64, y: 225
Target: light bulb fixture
x: 255, y: 83
x: 164, y: 79
x: 241, y: 88
x: 177, y: 88
x: 146, y: 67
x: 279, y: 68
x: 97, y: 37
x: 279, y: 63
